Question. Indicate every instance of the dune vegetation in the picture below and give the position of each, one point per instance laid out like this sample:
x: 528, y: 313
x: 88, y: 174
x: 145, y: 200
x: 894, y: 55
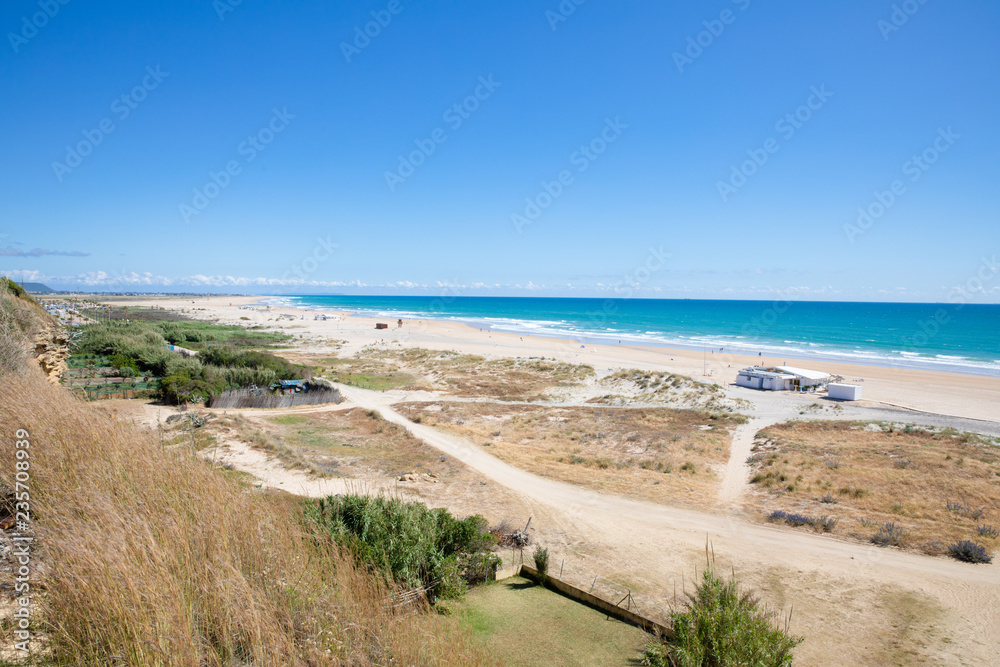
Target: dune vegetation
x: 227, y: 356
x: 144, y: 555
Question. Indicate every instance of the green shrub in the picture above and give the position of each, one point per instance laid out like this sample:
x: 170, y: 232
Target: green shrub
x: 723, y: 626
x: 541, y: 558
x: 413, y: 544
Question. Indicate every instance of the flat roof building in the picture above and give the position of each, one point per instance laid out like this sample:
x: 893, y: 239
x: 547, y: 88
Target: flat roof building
x: 781, y: 378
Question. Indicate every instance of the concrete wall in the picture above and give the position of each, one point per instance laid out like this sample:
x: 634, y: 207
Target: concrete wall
x: 579, y: 595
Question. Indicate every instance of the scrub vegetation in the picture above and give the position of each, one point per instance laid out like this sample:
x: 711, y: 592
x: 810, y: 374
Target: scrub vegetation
x: 889, y: 484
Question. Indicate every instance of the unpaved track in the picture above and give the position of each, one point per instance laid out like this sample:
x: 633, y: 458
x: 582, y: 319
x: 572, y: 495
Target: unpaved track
x: 662, y: 540
x: 734, y: 480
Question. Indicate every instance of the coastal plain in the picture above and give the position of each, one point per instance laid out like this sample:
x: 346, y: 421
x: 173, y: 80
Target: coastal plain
x: 599, y: 446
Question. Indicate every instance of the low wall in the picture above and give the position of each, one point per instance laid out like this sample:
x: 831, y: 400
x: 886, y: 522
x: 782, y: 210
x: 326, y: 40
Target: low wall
x: 592, y: 601
x: 508, y: 572
x: 248, y: 398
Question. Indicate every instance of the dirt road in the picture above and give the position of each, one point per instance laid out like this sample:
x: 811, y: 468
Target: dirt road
x: 951, y: 605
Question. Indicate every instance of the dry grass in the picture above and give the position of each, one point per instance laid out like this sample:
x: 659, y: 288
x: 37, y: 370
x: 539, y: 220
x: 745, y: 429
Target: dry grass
x: 366, y: 373
x: 358, y: 443
x: 223, y: 428
x: 20, y: 319
x: 867, y: 478
x: 467, y: 375
x: 653, y: 453
x: 151, y: 558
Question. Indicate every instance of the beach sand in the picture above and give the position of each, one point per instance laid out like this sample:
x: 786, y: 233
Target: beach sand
x: 937, y: 392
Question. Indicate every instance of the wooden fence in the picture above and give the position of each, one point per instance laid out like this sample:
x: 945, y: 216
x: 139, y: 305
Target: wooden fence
x: 262, y: 398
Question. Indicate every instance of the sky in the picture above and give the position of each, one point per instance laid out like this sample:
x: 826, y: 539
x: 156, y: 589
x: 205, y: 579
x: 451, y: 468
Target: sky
x: 726, y: 149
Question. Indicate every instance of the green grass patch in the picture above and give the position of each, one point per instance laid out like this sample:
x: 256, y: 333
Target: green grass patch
x: 375, y: 382
x: 526, y: 624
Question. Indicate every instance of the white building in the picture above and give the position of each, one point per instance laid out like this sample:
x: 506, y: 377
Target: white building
x: 781, y: 378
x: 844, y: 392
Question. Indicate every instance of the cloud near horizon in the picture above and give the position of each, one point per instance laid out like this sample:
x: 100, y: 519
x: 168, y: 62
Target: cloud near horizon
x: 11, y: 251
x: 131, y: 281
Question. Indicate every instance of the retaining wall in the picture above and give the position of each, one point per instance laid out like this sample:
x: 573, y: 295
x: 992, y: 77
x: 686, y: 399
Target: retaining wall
x: 579, y: 595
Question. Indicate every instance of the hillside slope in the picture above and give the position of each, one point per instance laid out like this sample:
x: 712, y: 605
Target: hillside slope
x: 146, y: 556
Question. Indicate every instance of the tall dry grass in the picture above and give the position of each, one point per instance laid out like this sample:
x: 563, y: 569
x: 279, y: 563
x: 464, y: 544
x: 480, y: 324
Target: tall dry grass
x: 20, y: 318
x: 151, y: 558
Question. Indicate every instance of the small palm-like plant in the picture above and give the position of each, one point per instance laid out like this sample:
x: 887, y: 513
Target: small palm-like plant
x: 541, y: 558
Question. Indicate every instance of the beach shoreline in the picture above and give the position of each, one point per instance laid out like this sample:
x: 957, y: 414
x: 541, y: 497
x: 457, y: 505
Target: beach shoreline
x: 963, y: 395
x: 593, y: 321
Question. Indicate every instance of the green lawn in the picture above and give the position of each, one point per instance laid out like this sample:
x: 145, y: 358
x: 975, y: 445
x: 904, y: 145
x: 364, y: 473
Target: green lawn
x: 525, y: 624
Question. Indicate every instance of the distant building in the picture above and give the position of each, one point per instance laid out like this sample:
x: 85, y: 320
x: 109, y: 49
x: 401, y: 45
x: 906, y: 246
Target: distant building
x: 781, y: 378
x: 844, y: 392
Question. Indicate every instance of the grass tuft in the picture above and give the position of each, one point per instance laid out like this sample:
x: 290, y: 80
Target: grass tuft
x: 987, y: 531
x: 889, y: 534
x: 970, y: 552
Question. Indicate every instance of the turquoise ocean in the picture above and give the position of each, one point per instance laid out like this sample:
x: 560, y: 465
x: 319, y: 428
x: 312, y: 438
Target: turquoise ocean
x: 955, y: 337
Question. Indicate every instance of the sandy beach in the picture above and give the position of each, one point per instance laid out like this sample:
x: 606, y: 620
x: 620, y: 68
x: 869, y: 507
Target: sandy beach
x: 937, y: 392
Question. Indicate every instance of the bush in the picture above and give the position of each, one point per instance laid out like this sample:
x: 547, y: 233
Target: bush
x: 970, y: 552
x: 415, y: 545
x: 541, y: 558
x: 889, y: 534
x: 723, y: 626
x: 823, y: 524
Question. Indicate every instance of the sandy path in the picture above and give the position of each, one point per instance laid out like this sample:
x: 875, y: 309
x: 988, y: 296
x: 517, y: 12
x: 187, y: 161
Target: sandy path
x: 734, y: 479
x: 643, y: 533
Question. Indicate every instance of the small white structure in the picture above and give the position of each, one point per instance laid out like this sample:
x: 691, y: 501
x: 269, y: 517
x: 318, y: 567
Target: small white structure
x: 760, y: 378
x: 844, y: 392
x: 806, y: 379
x: 781, y: 378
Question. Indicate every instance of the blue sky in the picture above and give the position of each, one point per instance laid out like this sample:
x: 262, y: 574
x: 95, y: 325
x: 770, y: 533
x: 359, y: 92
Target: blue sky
x: 712, y: 149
